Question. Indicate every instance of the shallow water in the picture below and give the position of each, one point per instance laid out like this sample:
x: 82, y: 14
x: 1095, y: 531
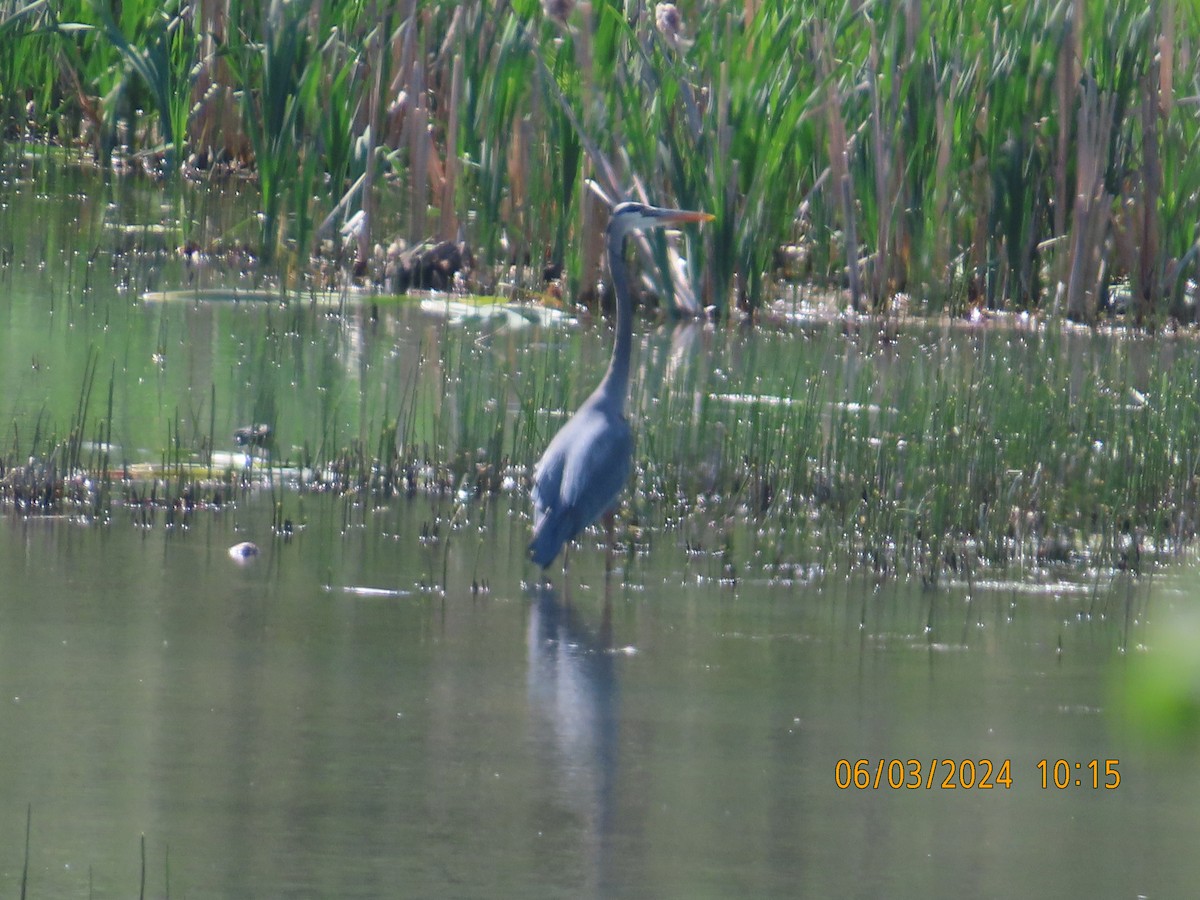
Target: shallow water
x: 322, y: 722
x: 389, y: 704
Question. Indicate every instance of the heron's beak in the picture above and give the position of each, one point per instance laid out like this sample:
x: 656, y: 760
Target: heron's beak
x: 679, y: 216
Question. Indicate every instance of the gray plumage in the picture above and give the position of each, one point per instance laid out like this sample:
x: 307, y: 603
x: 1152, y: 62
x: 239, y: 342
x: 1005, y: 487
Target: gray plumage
x: 587, y: 463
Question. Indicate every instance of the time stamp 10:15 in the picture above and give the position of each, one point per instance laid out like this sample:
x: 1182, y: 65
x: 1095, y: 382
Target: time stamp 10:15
x: 972, y: 774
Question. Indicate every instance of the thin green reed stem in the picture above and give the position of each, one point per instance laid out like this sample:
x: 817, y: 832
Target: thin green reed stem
x: 25, y: 863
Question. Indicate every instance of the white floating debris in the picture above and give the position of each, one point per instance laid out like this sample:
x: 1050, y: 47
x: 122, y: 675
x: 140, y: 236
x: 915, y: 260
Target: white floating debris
x: 751, y: 399
x: 235, y: 295
x: 244, y: 551
x: 1049, y: 588
x: 361, y: 591
x: 510, y: 315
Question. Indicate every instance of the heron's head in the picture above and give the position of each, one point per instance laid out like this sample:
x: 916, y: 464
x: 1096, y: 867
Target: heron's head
x: 627, y: 217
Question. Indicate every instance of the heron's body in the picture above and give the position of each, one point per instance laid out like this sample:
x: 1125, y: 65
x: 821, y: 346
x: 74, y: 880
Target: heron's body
x: 579, y: 477
x: 586, y: 465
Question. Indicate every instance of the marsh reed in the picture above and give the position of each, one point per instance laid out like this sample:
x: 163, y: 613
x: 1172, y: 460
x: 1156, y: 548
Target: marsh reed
x: 991, y: 448
x: 1038, y: 155
x: 880, y: 152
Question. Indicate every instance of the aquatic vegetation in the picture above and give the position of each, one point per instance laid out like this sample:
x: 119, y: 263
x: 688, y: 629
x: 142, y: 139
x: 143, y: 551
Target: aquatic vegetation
x: 938, y: 449
x: 944, y: 451
x: 165, y: 58
x: 944, y: 447
x: 1037, y: 155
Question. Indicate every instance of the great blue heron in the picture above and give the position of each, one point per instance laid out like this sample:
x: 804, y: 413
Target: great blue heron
x: 587, y: 463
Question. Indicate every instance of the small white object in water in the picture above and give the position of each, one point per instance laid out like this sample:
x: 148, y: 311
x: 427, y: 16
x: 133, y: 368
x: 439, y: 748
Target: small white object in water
x: 244, y: 551
x: 372, y: 592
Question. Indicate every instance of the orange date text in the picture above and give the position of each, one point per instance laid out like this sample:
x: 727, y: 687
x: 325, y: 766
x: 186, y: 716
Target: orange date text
x: 922, y: 774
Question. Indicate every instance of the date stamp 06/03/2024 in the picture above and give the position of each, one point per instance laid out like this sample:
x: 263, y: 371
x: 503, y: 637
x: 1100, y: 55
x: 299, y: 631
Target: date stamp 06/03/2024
x: 973, y: 774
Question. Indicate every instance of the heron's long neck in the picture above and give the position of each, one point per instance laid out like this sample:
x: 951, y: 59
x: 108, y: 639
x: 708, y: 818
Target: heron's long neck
x: 616, y: 380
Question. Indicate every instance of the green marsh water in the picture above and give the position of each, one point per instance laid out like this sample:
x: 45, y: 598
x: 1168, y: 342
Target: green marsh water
x: 386, y: 704
x: 281, y: 729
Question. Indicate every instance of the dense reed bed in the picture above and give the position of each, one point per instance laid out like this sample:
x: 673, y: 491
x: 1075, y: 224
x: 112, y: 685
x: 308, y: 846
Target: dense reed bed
x: 1037, y: 155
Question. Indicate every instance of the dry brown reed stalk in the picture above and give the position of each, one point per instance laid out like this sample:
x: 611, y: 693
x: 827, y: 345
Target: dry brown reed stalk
x: 749, y: 11
x: 517, y: 203
x: 1066, y: 89
x: 417, y: 129
x: 977, y: 251
x: 1166, y: 60
x: 888, y: 158
x: 724, y: 163
x: 903, y: 240
x: 839, y: 159
x: 944, y: 137
x: 448, y: 227
x: 90, y: 108
x: 1147, y: 284
x: 1137, y: 229
x: 1092, y: 209
x: 374, y: 108
x: 215, y: 124
x: 593, y: 214
x: 411, y: 122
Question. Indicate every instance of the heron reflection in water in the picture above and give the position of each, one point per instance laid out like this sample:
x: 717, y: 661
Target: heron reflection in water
x: 587, y: 463
x: 574, y: 734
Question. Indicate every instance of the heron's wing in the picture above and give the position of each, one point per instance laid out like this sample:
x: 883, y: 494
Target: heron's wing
x: 578, y: 478
x: 547, y: 476
x: 596, y: 470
